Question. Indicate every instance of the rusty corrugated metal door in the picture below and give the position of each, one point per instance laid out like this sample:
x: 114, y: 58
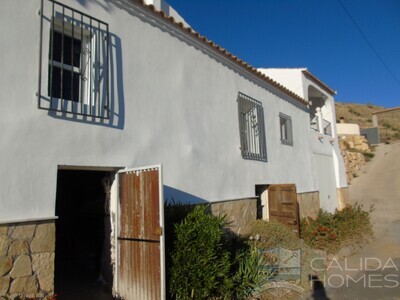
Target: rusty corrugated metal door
x: 140, y: 241
x: 283, y: 205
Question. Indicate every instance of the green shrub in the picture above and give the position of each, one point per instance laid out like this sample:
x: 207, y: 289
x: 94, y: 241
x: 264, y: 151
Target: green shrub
x: 320, y: 233
x: 201, y: 263
x: 353, y: 223
x: 330, y: 232
x: 174, y: 213
x: 251, y: 273
x: 206, y: 263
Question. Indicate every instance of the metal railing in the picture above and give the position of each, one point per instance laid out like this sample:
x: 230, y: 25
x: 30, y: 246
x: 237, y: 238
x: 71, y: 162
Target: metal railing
x: 327, y: 126
x: 314, y: 123
x: 78, y: 62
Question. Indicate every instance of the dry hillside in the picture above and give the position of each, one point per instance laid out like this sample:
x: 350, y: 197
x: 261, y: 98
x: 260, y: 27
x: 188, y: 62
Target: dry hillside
x: 361, y: 114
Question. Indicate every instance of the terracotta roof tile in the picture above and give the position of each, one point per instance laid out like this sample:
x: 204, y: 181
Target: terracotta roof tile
x: 319, y: 82
x: 234, y: 58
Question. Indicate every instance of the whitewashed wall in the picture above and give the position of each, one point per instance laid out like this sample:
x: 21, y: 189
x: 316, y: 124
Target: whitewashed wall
x: 291, y: 78
x: 330, y: 172
x: 347, y: 128
x: 176, y: 105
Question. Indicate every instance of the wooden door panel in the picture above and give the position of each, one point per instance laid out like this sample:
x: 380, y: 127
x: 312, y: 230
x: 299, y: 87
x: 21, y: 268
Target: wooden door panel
x: 283, y: 206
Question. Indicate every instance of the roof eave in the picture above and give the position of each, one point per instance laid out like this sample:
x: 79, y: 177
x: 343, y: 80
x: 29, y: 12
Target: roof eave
x: 319, y: 82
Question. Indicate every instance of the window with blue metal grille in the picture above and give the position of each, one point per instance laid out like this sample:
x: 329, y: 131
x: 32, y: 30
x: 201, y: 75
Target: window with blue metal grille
x: 78, y: 61
x: 252, y: 129
x: 286, y: 129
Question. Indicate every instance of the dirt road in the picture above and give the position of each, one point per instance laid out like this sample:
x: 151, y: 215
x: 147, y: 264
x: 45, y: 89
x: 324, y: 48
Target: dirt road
x: 374, y: 272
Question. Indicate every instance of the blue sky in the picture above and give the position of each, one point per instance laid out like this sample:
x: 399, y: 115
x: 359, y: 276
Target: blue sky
x: 316, y: 34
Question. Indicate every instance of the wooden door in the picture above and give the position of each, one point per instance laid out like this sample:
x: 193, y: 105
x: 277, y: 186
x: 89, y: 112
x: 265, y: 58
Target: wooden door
x: 140, y: 241
x: 283, y: 206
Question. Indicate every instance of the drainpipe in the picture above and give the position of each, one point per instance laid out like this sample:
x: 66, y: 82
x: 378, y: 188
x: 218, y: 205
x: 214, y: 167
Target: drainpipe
x: 320, y: 123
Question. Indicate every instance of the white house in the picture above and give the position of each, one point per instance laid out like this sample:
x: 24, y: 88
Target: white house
x: 328, y: 164
x: 111, y: 107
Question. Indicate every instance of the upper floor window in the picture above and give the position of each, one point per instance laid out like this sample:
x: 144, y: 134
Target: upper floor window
x: 66, y: 80
x: 252, y: 129
x: 78, y: 61
x: 286, y: 129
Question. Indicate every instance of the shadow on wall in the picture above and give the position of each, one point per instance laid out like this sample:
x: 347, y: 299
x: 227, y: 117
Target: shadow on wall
x: 104, y: 4
x: 177, y: 196
x: 116, y: 105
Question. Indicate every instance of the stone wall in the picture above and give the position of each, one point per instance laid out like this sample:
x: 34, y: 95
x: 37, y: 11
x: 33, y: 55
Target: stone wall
x: 27, y: 260
x: 352, y: 147
x: 308, y: 204
x: 239, y: 213
x: 343, y: 197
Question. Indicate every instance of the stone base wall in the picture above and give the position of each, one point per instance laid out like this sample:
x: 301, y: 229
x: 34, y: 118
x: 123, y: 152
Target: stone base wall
x: 27, y: 260
x: 309, y: 204
x: 343, y: 197
x: 239, y: 213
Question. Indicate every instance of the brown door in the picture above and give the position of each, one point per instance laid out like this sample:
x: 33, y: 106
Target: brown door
x: 283, y: 206
x: 140, y: 242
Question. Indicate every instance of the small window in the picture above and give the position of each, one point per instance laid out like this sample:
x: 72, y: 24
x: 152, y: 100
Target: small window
x: 286, y: 129
x: 252, y: 129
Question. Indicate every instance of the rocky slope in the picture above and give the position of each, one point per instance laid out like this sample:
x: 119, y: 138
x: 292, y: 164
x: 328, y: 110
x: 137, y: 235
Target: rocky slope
x: 355, y: 152
x: 361, y: 114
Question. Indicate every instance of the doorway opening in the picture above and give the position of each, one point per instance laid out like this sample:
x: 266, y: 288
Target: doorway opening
x: 262, y: 202
x: 83, y: 268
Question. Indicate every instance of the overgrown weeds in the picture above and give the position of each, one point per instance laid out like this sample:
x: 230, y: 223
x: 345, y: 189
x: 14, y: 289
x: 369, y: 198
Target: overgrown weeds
x: 273, y: 234
x: 270, y: 235
x: 330, y: 232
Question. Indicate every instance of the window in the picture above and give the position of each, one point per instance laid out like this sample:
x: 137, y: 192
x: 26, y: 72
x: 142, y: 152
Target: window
x: 77, y: 63
x: 252, y: 129
x: 65, y: 78
x: 286, y: 129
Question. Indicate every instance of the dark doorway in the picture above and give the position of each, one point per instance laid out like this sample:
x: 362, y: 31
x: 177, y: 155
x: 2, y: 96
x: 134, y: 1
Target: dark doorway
x: 83, y: 259
x: 262, y: 202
